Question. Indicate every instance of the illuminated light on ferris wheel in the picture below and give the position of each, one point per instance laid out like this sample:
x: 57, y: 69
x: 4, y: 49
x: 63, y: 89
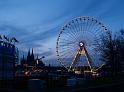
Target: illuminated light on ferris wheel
x: 77, y: 42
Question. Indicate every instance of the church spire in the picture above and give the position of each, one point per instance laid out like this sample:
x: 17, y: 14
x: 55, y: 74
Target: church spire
x: 23, y: 58
x: 32, y: 61
x: 28, y: 57
x: 23, y: 61
x: 29, y: 52
x: 32, y: 52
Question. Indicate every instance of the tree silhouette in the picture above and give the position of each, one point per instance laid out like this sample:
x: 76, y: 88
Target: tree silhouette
x: 119, y: 46
x: 108, y: 51
x: 113, y: 51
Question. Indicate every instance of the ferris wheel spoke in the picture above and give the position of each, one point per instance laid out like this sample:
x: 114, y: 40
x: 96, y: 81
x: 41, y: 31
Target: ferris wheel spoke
x: 90, y: 25
x: 84, y: 27
x: 76, y: 30
x: 97, y: 27
x: 67, y: 57
x: 93, y: 25
x: 66, y: 45
x: 66, y: 40
x: 67, y: 49
x: 63, y: 42
x: 70, y: 54
x: 87, y: 23
x: 72, y: 34
x: 71, y: 31
x: 81, y: 24
x: 79, y: 28
x: 98, y: 32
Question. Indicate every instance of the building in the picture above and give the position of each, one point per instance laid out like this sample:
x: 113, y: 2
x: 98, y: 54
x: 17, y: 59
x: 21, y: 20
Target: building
x: 30, y: 66
x: 8, y: 58
x: 31, y: 61
x: 30, y: 58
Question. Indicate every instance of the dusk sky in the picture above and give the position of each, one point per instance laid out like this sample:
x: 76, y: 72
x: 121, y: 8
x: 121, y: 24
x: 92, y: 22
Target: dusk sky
x: 36, y: 23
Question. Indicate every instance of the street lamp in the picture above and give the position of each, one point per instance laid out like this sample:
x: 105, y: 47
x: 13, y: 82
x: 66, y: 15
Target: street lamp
x: 42, y: 57
x: 38, y: 59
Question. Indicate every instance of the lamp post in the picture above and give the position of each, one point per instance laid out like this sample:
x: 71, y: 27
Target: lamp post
x: 38, y: 60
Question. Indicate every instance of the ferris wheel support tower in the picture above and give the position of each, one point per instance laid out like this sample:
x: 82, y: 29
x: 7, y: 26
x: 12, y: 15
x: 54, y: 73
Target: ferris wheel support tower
x: 82, y: 51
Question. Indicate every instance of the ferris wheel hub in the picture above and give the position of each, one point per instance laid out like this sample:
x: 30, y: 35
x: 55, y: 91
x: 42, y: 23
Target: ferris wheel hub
x: 81, y: 44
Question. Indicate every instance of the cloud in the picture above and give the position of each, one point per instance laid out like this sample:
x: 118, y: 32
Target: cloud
x: 36, y: 24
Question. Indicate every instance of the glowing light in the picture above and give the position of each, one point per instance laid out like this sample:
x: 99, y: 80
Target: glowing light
x: 81, y: 44
x: 77, y: 72
x: 37, y: 62
x: 26, y: 73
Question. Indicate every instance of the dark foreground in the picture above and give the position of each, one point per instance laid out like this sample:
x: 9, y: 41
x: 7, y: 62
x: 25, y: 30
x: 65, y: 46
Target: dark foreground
x: 101, y: 88
x: 109, y: 84
x: 112, y: 88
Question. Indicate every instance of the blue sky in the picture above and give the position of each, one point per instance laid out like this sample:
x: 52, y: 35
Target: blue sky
x: 36, y: 23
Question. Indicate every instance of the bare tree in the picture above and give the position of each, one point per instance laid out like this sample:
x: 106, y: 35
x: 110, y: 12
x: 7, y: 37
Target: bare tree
x: 119, y: 46
x: 108, y: 52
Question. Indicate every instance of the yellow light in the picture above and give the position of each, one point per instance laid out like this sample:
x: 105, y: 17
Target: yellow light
x: 37, y: 62
x: 77, y: 72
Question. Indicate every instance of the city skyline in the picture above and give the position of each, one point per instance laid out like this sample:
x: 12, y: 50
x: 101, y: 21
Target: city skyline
x: 36, y: 24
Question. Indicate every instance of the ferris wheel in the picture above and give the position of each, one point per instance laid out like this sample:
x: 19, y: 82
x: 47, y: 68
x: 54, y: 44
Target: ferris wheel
x: 77, y: 42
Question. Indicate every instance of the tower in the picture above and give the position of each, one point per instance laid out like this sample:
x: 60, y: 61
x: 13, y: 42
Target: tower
x: 28, y: 58
x: 39, y: 62
x: 8, y: 59
x: 32, y: 62
x: 82, y: 51
x: 23, y: 61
